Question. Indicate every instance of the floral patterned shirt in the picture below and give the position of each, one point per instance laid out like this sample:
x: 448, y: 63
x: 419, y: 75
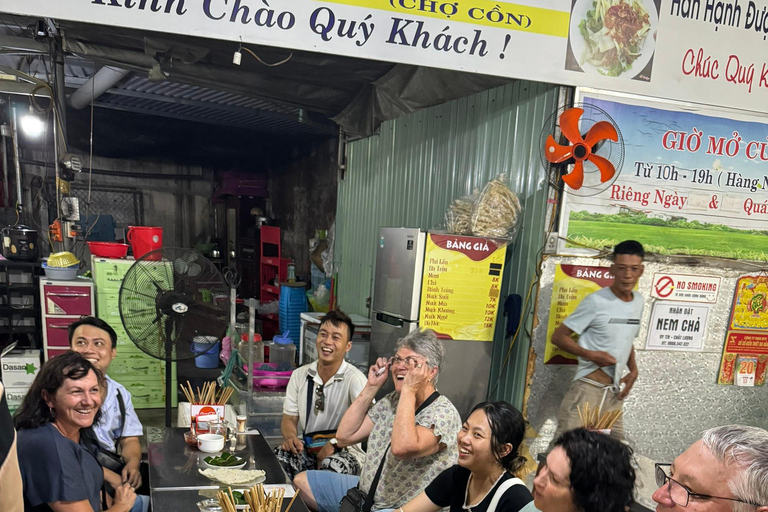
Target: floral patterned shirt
x: 403, y: 480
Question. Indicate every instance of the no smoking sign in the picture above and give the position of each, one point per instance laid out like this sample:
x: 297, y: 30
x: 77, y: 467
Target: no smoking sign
x: 685, y: 288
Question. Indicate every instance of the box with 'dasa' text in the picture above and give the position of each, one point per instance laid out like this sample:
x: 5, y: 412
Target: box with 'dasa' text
x: 19, y: 368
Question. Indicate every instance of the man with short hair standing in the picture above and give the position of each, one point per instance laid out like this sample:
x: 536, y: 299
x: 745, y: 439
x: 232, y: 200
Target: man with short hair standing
x: 725, y: 471
x: 119, y: 425
x: 606, y: 323
x: 317, y: 397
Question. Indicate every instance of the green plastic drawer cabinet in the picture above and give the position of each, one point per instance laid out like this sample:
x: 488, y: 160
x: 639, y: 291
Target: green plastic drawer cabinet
x: 149, y: 395
x: 108, y: 274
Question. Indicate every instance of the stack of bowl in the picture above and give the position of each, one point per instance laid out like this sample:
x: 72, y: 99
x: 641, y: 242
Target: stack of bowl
x: 61, y: 266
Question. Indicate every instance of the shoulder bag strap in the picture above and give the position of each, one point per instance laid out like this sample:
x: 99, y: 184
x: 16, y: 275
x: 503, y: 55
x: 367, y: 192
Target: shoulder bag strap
x: 310, y: 389
x: 121, y: 405
x: 506, y: 484
x: 372, y: 491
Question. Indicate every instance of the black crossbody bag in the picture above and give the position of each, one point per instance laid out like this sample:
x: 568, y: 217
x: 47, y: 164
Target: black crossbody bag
x: 358, y: 501
x: 107, y: 458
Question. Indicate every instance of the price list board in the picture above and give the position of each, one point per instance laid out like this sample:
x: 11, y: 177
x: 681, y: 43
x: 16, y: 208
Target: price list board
x: 461, y: 286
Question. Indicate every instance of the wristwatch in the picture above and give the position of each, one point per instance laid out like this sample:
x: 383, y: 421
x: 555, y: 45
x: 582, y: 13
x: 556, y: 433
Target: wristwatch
x: 335, y: 443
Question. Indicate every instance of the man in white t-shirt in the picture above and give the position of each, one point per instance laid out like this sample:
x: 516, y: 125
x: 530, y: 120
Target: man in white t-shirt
x: 317, y: 397
x: 606, y: 323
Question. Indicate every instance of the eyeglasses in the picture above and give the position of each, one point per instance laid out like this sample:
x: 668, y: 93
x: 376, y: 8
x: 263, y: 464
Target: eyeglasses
x: 319, y: 399
x: 410, y: 361
x: 680, y: 495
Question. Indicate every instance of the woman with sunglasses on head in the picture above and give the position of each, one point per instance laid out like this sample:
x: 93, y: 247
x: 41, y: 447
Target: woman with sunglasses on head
x: 585, y: 472
x: 410, y: 432
x: 483, y: 480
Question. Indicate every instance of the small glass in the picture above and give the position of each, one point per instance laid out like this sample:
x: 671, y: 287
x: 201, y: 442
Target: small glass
x: 210, y: 505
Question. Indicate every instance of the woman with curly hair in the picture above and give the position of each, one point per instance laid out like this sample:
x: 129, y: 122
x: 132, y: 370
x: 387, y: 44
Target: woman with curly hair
x: 585, y: 472
x: 483, y: 480
x: 58, y: 473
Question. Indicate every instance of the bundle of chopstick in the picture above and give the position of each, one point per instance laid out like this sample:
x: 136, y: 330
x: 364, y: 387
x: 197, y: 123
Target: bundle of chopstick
x: 256, y: 500
x: 593, y: 419
x: 208, y: 395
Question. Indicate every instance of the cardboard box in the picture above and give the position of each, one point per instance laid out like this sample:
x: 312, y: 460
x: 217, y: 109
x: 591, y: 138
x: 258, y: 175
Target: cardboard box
x: 19, y: 368
x: 14, y: 396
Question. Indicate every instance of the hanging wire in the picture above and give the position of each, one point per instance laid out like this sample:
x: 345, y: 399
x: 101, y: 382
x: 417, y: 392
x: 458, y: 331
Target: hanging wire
x: 85, y: 221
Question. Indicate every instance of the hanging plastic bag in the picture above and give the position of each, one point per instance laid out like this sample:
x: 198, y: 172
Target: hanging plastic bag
x: 458, y: 216
x: 496, y: 212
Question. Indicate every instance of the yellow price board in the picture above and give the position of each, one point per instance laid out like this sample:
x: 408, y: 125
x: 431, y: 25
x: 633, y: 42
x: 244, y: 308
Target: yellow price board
x: 572, y: 283
x: 461, y: 286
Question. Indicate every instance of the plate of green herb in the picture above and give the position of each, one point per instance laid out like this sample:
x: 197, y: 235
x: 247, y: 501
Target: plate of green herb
x: 225, y: 460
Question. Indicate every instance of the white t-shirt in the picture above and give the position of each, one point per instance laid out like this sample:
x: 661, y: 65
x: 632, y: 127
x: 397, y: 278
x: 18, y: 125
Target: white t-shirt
x: 340, y: 391
x: 606, y: 323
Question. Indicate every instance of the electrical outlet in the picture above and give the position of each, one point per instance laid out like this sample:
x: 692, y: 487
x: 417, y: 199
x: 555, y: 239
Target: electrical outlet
x: 551, y: 245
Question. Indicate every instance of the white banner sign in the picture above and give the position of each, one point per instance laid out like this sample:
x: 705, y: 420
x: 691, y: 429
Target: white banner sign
x: 677, y: 326
x: 685, y: 288
x: 711, y: 51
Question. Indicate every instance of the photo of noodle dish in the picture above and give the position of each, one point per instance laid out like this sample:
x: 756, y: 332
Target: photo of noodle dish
x: 613, y: 37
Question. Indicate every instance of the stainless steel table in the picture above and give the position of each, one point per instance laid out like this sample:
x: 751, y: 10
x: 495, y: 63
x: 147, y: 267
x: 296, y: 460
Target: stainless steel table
x: 175, y: 482
x: 186, y: 501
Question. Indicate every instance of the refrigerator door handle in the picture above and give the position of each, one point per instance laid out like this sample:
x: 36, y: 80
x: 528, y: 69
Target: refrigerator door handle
x: 389, y: 319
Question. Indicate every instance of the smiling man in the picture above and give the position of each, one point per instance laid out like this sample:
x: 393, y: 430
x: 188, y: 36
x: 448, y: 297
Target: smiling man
x: 317, y: 397
x: 725, y: 471
x: 606, y: 323
x: 119, y: 428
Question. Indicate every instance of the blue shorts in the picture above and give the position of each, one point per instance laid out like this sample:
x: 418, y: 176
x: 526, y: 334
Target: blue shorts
x: 328, y: 488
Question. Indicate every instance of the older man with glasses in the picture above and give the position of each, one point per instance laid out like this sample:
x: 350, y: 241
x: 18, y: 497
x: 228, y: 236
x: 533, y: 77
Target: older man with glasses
x: 317, y: 397
x: 725, y: 471
x: 411, y: 434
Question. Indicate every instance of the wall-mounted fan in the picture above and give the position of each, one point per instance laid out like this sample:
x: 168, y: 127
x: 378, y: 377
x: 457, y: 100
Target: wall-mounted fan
x: 583, y: 148
x: 166, y: 301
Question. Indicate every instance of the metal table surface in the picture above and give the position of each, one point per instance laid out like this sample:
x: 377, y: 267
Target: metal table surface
x: 186, y: 501
x: 173, y: 465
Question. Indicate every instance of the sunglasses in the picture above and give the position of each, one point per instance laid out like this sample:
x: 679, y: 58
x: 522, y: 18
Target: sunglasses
x: 319, y: 399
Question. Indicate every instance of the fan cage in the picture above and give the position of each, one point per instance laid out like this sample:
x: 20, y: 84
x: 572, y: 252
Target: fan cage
x: 613, y: 151
x: 167, y: 304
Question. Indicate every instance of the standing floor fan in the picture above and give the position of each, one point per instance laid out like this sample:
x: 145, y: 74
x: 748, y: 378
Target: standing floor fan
x: 166, y: 301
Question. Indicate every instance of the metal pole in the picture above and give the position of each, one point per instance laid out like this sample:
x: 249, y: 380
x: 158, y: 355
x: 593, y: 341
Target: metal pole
x: 16, y: 156
x: 61, y: 92
x: 5, y: 130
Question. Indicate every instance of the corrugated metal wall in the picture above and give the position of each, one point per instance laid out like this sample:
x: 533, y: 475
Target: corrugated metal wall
x: 409, y: 173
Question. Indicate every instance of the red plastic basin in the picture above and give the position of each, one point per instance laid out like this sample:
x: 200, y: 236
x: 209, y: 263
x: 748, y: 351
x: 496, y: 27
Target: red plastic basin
x: 108, y: 249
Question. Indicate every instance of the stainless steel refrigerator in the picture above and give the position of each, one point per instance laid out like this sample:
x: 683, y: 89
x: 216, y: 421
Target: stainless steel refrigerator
x: 395, y: 312
x: 396, y: 290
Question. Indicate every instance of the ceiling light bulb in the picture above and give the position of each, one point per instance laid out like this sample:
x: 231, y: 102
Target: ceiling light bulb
x: 31, y: 125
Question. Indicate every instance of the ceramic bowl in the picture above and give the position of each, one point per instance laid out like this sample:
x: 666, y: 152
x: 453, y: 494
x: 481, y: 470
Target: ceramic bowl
x: 210, y: 443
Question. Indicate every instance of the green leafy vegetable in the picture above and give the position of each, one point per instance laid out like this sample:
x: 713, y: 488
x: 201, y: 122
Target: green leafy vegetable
x: 224, y: 460
x: 239, y: 498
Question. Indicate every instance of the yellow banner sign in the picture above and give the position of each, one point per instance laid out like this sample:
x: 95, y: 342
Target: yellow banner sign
x: 461, y: 286
x: 509, y: 16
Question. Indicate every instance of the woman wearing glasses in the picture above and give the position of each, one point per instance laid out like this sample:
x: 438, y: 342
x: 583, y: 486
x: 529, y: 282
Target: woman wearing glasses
x: 410, y: 432
x: 585, y: 472
x: 483, y: 480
